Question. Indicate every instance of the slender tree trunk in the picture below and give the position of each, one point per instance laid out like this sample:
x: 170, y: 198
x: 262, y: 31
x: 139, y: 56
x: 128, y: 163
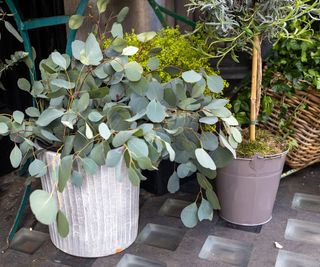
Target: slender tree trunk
x: 255, y: 87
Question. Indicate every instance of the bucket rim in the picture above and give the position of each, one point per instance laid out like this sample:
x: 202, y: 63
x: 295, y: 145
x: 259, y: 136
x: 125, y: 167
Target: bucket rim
x: 269, y: 157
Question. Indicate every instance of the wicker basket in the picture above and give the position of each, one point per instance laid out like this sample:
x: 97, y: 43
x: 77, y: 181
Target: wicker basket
x: 304, y: 127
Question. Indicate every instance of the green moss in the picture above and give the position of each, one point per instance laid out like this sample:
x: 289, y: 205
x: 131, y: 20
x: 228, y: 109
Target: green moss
x: 266, y: 144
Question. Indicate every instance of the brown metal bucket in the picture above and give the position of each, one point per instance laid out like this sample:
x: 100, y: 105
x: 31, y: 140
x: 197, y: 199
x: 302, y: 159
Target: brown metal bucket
x: 247, y: 189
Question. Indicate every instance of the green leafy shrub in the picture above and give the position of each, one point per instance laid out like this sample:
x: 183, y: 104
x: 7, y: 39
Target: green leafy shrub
x: 176, y: 50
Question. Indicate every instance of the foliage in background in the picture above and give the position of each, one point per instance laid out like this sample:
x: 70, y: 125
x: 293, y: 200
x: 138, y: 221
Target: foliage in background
x: 99, y: 108
x: 293, y: 65
x: 235, y: 23
x: 176, y: 51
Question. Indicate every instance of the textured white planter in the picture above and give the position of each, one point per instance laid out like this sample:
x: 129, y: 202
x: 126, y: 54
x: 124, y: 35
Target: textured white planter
x: 103, y: 213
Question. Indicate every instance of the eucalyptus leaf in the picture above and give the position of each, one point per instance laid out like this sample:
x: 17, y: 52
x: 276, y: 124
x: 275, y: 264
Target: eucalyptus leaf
x: 18, y: 116
x: 173, y: 183
x: 236, y: 134
x: 89, y: 166
x: 122, y: 137
x: 232, y: 121
x: 37, y: 168
x: 89, y: 133
x: 13, y: 31
x: 102, y: 5
x: 117, y: 30
x: 138, y: 147
x: 49, y: 135
x: 24, y: 84
x: 75, y: 22
x: 33, y: 112
x: 227, y: 145
x: 205, y: 211
x: 203, y: 182
x: 122, y: 14
x: 68, y: 145
x: 43, y: 206
x: 146, y: 36
x: 83, y: 102
x: 133, y: 176
x: 155, y: 111
x: 113, y: 157
x: 97, y: 154
x: 130, y: 50
x: 3, y: 128
x: 133, y: 71
x: 59, y: 60
x: 153, y: 63
x: 213, y: 199
x: 170, y: 150
x: 91, y: 54
x: 191, y: 76
x: 63, y: 83
x: 94, y: 116
x: 15, y: 156
x: 48, y: 116
x: 104, y: 131
x: 189, y: 215
x: 204, y: 159
x: 65, y: 169
x: 62, y: 224
x: 215, y: 83
x: 209, y: 141
x: 76, y: 178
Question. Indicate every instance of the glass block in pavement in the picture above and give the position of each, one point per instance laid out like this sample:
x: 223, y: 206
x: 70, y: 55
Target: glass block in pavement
x: 28, y: 241
x: 303, y: 231
x: 129, y: 260
x: 306, y: 202
x: 289, y: 259
x: 225, y: 250
x: 173, y: 207
x: 161, y: 236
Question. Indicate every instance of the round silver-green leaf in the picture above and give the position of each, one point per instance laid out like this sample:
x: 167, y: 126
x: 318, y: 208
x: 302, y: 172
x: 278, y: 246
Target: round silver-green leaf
x: 43, y: 206
x: 204, y: 159
x: 15, y: 157
x: 205, y: 211
x: 173, y: 183
x: 155, y: 111
x: 189, y: 215
x: 18, y: 116
x: 191, y: 76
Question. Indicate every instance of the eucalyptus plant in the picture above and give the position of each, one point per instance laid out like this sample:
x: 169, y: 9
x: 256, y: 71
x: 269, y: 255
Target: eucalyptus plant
x: 98, y: 108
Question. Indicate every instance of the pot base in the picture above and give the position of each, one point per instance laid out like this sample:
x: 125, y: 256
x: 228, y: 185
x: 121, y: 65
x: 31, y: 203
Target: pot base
x: 244, y: 224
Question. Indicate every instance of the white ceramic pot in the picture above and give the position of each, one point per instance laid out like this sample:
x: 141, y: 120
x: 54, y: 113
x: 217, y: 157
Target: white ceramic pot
x: 103, y: 213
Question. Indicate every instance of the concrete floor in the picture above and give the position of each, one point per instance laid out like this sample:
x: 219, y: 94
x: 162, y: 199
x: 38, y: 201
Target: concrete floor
x: 261, y: 239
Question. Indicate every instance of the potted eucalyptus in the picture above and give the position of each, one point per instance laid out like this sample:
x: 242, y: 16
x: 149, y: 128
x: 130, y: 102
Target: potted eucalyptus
x: 98, y: 121
x: 247, y: 187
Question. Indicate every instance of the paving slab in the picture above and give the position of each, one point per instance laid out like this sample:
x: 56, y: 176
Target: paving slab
x: 262, y: 253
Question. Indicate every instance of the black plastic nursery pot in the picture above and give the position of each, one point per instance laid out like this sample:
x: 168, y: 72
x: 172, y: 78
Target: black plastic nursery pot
x: 158, y: 180
x: 247, y: 189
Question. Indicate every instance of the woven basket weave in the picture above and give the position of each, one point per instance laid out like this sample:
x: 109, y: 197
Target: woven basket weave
x: 304, y: 126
